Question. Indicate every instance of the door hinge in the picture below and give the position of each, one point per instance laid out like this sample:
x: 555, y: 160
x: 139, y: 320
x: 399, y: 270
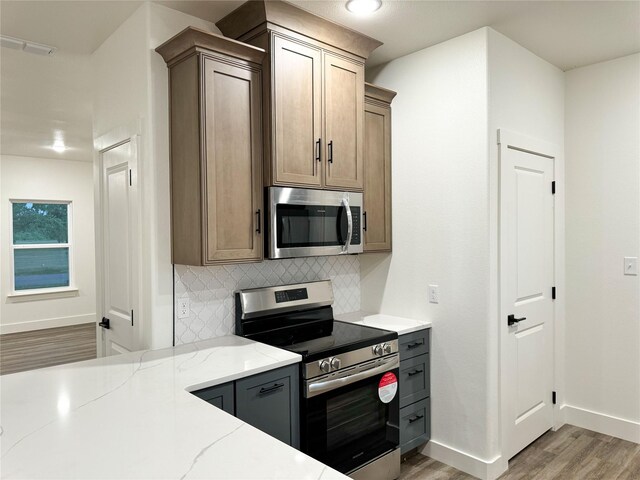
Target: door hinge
x: 132, y: 318
x: 553, y: 187
x: 553, y: 397
x: 130, y: 177
x: 553, y: 293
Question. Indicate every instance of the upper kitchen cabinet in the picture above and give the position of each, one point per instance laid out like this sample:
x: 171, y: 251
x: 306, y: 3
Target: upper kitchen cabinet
x: 297, y: 80
x: 377, y: 168
x: 313, y: 94
x: 344, y: 112
x: 215, y: 89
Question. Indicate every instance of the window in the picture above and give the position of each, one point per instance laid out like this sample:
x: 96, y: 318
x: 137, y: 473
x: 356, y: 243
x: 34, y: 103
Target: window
x: 41, y: 245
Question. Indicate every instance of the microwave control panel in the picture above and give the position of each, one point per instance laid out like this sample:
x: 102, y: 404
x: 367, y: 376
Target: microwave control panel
x: 355, y: 216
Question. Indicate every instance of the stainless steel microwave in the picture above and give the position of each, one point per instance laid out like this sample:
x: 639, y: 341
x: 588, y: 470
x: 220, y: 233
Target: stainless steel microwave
x: 306, y: 223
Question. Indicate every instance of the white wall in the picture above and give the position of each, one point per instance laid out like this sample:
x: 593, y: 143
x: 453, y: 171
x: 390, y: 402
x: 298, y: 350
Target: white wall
x: 49, y: 179
x: 441, y: 227
x: 603, y: 226
x: 452, y: 98
x: 526, y: 96
x: 131, y: 84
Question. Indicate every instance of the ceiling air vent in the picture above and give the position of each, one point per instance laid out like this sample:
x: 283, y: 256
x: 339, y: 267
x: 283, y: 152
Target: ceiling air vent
x: 30, y: 47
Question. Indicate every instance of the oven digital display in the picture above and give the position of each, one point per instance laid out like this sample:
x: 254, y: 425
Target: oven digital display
x: 291, y: 295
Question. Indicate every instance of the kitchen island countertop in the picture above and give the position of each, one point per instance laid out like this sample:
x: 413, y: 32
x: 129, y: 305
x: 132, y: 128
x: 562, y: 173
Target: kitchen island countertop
x: 131, y: 416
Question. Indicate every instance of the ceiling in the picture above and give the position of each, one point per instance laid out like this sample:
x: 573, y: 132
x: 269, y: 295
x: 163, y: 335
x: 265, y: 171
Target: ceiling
x: 568, y: 34
x: 45, y: 95
x: 45, y: 98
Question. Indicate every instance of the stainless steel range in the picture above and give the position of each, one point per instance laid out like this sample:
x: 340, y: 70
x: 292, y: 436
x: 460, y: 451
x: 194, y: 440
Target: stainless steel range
x: 349, y: 399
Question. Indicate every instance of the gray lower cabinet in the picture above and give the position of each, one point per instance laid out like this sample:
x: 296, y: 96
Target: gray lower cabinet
x: 414, y: 390
x: 269, y: 401
x: 415, y: 425
x: 220, y: 396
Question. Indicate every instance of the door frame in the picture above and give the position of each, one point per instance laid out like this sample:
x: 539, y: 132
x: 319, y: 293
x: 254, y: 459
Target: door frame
x: 112, y: 139
x: 505, y: 139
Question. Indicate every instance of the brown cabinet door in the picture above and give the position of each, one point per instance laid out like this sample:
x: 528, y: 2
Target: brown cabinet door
x: 232, y: 148
x: 344, y: 111
x: 377, y: 178
x: 297, y: 110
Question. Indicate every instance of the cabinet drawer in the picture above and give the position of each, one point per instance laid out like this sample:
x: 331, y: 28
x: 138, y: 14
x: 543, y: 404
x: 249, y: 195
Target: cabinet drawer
x: 414, y: 344
x: 268, y: 401
x: 415, y: 425
x: 414, y: 380
x: 220, y: 396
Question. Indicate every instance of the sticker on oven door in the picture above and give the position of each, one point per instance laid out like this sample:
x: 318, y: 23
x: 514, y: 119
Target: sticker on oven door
x: 387, y: 387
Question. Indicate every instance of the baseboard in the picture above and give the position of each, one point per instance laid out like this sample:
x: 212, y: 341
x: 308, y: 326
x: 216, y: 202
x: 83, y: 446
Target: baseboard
x: 602, y: 423
x: 483, y: 469
x: 47, y: 323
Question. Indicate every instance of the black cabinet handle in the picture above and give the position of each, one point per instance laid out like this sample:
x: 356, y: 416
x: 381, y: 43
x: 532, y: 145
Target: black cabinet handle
x: 276, y: 386
x: 365, y: 221
x: 416, y: 418
x: 258, y: 229
x: 318, y: 151
x: 414, y: 372
x: 330, y: 158
x: 413, y: 345
x: 512, y: 320
x: 105, y: 323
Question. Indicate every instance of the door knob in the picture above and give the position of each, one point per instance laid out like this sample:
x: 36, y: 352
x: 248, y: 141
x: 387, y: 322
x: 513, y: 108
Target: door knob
x: 512, y: 320
x: 105, y: 323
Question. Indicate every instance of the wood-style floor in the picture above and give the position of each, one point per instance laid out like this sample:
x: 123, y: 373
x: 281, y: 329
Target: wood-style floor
x: 45, y: 348
x: 571, y: 453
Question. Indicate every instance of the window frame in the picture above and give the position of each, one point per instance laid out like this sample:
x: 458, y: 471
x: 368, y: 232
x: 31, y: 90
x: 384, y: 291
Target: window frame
x: 69, y: 245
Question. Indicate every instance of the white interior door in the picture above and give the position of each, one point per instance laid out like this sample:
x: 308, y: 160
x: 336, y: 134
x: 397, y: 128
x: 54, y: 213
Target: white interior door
x: 527, y: 280
x: 118, y: 234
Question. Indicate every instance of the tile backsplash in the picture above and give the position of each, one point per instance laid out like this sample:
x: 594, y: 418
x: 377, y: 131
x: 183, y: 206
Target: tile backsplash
x: 211, y: 289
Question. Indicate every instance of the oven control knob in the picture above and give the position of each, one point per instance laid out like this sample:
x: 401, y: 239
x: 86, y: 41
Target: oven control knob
x: 335, y: 363
x: 377, y: 350
x: 325, y: 366
x: 387, y: 348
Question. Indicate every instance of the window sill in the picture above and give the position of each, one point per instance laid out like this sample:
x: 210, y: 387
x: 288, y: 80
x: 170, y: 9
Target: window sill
x: 28, y: 296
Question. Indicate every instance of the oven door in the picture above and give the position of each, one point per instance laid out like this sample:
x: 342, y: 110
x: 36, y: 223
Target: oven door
x: 304, y: 222
x: 349, y: 426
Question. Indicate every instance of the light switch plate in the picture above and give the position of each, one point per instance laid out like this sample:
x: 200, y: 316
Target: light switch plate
x: 631, y: 265
x: 182, y: 307
x: 434, y: 294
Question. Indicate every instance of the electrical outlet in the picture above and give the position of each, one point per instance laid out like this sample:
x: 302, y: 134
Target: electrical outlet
x: 182, y: 307
x: 631, y: 265
x: 434, y: 294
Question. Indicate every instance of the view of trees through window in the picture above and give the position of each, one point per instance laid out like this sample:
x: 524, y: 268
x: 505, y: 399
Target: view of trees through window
x: 40, y: 245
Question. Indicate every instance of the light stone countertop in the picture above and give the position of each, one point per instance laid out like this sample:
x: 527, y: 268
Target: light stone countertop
x: 131, y: 416
x: 386, y: 322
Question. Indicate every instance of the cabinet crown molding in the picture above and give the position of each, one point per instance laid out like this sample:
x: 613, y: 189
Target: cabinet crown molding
x: 194, y: 38
x: 378, y: 93
x: 269, y: 13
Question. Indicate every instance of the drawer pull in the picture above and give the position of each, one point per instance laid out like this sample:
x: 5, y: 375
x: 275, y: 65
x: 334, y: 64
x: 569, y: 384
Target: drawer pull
x: 266, y: 390
x: 414, y: 372
x: 416, y: 418
x: 413, y: 345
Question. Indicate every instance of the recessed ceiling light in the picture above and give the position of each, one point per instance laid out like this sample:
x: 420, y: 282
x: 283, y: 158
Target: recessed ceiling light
x: 59, y: 146
x: 363, y: 7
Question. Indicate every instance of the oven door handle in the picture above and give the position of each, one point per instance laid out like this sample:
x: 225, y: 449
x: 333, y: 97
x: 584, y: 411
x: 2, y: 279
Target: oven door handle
x: 347, y: 208
x: 316, y: 388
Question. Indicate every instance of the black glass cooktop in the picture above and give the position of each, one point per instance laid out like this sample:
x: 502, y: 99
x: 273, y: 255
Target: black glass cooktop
x: 333, y: 338
x: 312, y: 332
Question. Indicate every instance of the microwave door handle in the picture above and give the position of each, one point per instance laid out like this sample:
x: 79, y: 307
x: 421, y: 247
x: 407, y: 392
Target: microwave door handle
x: 347, y: 208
